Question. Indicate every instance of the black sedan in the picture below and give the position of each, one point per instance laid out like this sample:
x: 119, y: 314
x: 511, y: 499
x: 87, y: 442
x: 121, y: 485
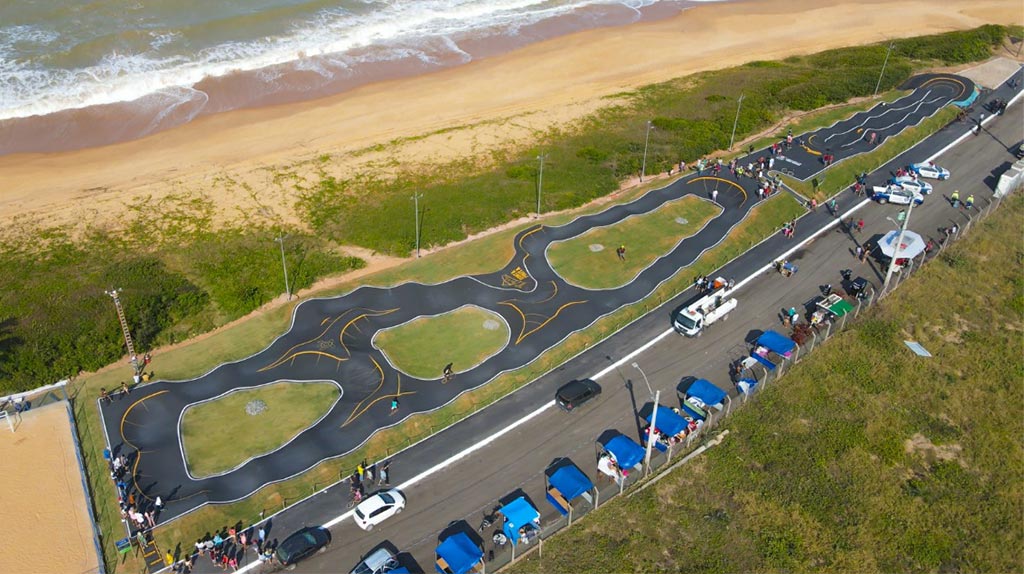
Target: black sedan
x: 302, y: 544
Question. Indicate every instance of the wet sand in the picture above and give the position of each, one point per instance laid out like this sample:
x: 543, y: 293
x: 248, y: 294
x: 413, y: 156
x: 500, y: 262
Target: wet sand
x: 235, y: 159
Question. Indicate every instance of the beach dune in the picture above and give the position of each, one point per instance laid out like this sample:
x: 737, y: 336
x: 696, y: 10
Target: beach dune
x: 540, y: 85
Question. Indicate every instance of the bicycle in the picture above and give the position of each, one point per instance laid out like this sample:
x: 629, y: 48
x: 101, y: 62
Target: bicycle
x: 355, y: 496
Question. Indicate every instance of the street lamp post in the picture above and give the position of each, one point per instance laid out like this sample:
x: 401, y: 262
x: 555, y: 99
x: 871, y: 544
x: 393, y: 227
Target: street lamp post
x: 540, y: 180
x: 287, y: 290
x: 896, y: 250
x: 643, y: 165
x: 884, y: 62
x: 735, y: 122
x: 416, y: 206
x: 654, y: 420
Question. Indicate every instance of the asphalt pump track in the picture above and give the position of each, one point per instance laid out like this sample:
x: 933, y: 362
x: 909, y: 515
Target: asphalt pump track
x: 330, y: 339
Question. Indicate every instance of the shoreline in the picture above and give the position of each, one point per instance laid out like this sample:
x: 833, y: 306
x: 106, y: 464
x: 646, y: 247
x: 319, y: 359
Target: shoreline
x: 494, y: 103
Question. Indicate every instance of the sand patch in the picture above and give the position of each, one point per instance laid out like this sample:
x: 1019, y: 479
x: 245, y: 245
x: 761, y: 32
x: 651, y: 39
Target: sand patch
x: 932, y: 453
x: 596, y: 247
x: 492, y: 325
x: 43, y: 498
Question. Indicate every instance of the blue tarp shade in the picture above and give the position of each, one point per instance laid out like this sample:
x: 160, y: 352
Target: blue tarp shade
x: 776, y: 343
x: 768, y: 364
x: 570, y: 481
x: 459, y: 552
x: 627, y: 453
x: 518, y: 513
x: 706, y: 391
x: 668, y: 422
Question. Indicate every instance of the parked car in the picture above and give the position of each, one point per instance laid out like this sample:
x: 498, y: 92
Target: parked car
x: 378, y: 508
x: 913, y: 184
x: 930, y: 170
x: 379, y: 561
x: 302, y: 544
x: 896, y: 194
x: 575, y: 393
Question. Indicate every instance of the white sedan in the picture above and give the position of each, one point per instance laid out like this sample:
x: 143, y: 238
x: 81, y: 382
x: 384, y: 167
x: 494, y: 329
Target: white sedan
x: 378, y: 508
x: 930, y: 170
x: 896, y: 195
x: 913, y: 184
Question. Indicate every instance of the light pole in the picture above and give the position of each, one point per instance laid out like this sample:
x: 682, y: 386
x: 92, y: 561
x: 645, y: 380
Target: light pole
x: 416, y: 206
x: 896, y: 250
x: 884, y: 62
x: 648, y: 383
x: 647, y: 139
x: 540, y: 180
x: 280, y: 239
x: 735, y: 122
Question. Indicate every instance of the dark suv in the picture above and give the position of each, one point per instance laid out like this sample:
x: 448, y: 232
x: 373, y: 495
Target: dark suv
x: 575, y: 393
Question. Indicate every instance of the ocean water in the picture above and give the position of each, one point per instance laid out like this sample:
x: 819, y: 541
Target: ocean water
x: 79, y: 73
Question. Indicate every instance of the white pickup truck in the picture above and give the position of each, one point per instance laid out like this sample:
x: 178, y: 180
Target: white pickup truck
x: 692, y: 319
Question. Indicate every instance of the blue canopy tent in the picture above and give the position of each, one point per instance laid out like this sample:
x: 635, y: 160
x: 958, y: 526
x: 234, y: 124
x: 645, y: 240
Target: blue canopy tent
x: 776, y: 343
x: 565, y: 484
x: 520, y: 515
x: 626, y: 452
x: 764, y: 361
x: 669, y: 423
x: 457, y: 554
x: 707, y: 392
x: 746, y: 386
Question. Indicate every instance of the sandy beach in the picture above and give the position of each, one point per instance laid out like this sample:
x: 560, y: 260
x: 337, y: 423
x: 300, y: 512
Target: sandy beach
x: 248, y: 161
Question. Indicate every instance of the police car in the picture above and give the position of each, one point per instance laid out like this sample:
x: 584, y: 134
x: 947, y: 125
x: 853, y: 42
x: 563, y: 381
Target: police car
x: 896, y: 195
x: 913, y: 184
x: 930, y: 170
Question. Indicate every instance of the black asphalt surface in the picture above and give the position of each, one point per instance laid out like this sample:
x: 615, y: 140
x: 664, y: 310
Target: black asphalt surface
x: 330, y: 339
x: 851, y: 136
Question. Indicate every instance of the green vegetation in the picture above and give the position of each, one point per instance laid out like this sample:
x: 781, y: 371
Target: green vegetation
x: 865, y: 457
x: 578, y: 170
x: 219, y: 435
x: 56, y: 319
x: 646, y: 237
x: 464, y: 337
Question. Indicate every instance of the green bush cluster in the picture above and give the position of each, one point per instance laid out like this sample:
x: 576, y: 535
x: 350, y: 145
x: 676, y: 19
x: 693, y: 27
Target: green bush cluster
x: 56, y: 319
x: 691, y: 118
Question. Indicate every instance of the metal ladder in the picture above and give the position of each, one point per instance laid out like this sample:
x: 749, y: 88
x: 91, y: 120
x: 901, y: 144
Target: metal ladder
x: 124, y: 325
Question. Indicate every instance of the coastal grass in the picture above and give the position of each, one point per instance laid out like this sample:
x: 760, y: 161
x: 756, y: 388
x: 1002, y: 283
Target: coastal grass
x: 865, y: 457
x: 464, y: 337
x: 219, y: 435
x: 589, y: 260
x: 841, y: 175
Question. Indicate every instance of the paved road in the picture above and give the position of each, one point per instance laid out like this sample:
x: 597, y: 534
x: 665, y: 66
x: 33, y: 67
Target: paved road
x: 331, y: 339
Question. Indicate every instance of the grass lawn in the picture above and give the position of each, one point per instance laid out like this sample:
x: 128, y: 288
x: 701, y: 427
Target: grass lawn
x: 464, y: 337
x: 646, y: 238
x: 865, y: 457
x: 219, y: 435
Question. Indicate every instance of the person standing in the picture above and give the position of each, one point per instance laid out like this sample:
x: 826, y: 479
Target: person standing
x: 954, y: 199
x: 384, y: 475
x: 394, y: 406
x: 970, y: 202
x: 714, y: 195
x: 860, y: 225
x: 860, y: 253
x: 105, y: 396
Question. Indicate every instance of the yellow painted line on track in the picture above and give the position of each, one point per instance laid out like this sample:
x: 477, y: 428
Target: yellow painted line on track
x: 732, y: 183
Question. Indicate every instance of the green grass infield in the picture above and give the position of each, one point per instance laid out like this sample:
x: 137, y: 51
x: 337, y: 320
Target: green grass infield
x: 464, y: 337
x: 590, y: 260
x: 221, y: 434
